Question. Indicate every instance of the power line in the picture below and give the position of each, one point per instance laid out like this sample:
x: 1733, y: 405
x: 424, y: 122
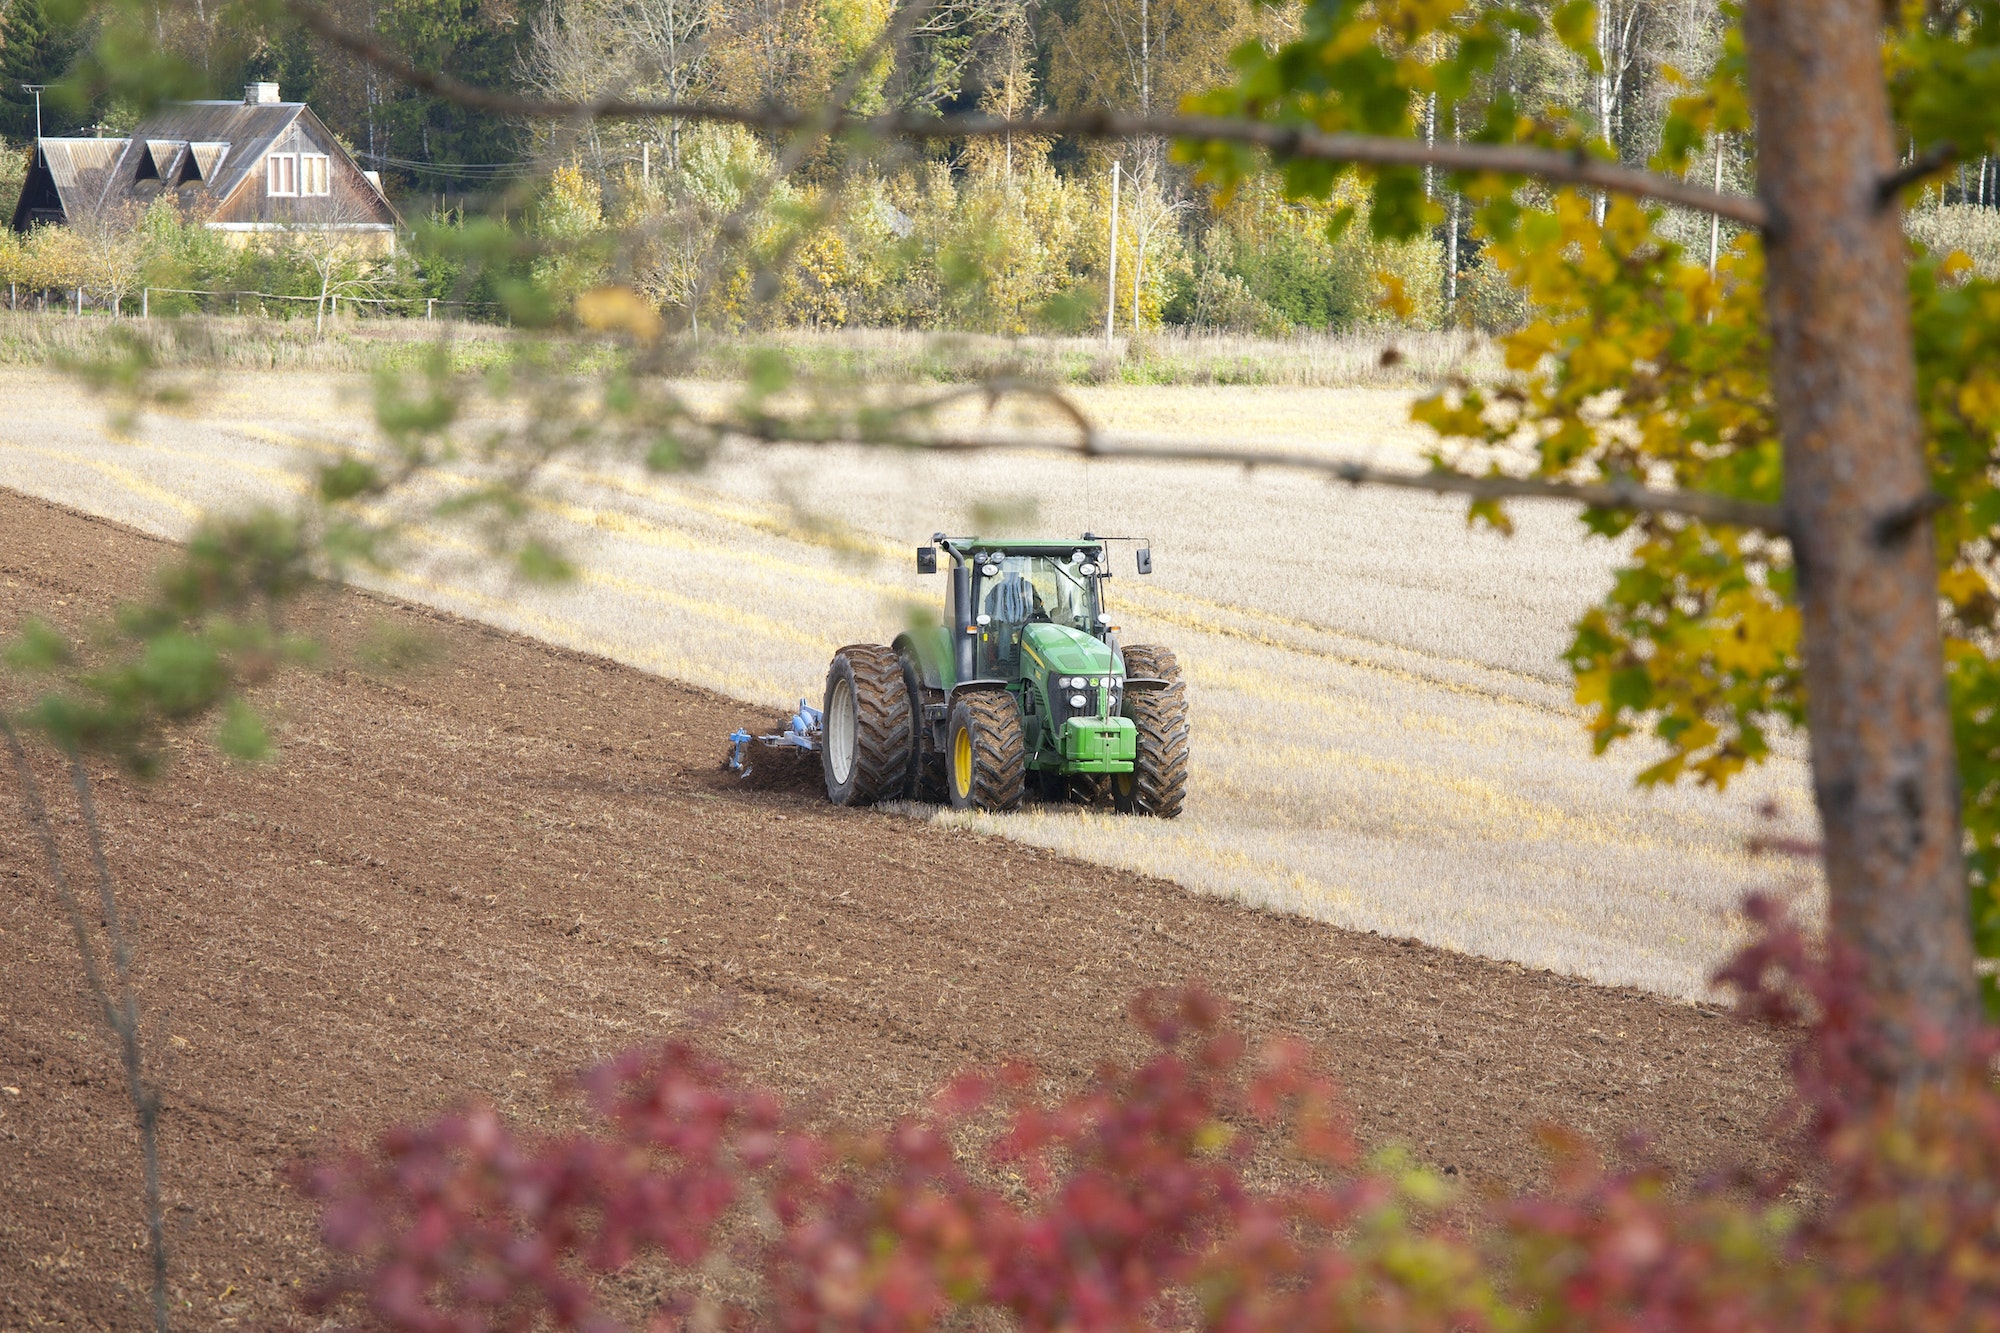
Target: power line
x: 458, y: 170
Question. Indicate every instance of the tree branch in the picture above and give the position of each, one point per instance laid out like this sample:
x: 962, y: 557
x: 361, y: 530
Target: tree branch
x: 122, y: 1017
x: 1936, y: 158
x: 1283, y: 141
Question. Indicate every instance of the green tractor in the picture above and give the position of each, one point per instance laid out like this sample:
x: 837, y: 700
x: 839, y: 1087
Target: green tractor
x: 1022, y: 688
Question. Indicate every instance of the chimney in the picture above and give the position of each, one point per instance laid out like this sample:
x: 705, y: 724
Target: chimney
x: 260, y: 94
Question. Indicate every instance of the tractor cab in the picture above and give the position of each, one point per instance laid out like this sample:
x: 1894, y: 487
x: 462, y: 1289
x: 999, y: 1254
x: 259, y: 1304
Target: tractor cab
x: 1014, y: 589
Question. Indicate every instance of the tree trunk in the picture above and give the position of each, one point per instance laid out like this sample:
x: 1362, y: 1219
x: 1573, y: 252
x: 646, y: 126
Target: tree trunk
x: 1856, y: 486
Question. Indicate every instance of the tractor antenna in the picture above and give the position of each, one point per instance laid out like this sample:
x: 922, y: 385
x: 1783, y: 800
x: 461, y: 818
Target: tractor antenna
x: 37, y: 89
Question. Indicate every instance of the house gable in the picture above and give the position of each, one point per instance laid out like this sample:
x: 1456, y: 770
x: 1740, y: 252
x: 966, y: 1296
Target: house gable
x: 65, y: 179
x: 315, y: 182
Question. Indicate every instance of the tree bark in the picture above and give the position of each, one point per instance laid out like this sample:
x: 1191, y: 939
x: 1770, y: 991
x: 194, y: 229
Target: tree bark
x: 1856, y: 491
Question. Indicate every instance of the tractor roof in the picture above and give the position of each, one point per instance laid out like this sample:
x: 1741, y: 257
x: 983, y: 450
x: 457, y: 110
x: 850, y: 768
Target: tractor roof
x: 1026, y: 544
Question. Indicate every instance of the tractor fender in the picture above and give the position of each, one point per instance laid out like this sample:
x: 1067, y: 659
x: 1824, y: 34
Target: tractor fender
x: 973, y: 687
x: 1145, y: 683
x: 913, y: 648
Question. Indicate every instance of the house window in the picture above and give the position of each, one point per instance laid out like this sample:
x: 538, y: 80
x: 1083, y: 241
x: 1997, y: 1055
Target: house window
x: 315, y: 173
x: 281, y: 174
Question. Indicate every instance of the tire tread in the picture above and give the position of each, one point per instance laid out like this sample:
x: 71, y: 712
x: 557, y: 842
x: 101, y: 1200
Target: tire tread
x: 1160, y: 771
x: 883, y: 730
x: 999, y: 750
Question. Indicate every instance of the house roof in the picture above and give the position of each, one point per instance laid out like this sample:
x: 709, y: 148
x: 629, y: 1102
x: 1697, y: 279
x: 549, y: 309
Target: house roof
x: 239, y: 132
x: 209, y: 151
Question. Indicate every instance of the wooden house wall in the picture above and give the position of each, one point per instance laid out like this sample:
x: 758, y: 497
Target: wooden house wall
x: 352, y: 200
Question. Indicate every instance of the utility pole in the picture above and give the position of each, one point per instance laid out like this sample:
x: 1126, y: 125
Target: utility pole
x: 1111, y: 282
x: 37, y: 89
x: 1451, y: 239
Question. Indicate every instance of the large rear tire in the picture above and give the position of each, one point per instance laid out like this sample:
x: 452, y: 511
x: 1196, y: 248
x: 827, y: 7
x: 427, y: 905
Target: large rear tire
x: 865, y: 726
x: 986, y: 757
x: 1157, y: 784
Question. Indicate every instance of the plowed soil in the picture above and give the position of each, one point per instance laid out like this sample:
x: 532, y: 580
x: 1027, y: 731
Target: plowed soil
x: 474, y: 878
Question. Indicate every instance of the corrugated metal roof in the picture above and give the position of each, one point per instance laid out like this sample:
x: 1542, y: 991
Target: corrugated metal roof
x: 79, y: 169
x: 162, y: 153
x: 74, y: 161
x: 208, y: 158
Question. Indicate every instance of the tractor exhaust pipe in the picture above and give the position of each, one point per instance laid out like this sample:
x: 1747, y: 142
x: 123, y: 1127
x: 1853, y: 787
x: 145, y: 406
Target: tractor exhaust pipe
x: 961, y: 618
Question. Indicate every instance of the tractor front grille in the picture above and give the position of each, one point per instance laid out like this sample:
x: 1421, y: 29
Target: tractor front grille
x: 1061, y: 710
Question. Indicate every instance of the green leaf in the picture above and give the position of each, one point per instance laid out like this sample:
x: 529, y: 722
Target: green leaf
x: 242, y: 735
x: 38, y: 647
x: 539, y: 563
x: 348, y: 478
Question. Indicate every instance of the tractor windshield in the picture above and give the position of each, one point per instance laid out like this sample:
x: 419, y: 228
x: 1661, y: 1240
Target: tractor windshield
x: 1016, y: 590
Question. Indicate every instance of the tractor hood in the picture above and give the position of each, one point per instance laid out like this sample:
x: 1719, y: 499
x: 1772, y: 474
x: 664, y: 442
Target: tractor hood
x: 1066, y: 651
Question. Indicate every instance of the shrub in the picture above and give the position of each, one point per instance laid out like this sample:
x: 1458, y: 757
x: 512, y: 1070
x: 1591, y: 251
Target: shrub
x: 1132, y: 1202
x: 1271, y: 265
x: 1962, y: 228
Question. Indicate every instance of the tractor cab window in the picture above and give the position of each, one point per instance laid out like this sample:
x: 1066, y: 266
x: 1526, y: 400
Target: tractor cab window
x: 1017, y: 590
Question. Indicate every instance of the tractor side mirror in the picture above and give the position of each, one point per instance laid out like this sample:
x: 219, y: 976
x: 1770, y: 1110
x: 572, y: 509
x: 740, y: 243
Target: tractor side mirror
x: 927, y: 560
x: 1144, y: 558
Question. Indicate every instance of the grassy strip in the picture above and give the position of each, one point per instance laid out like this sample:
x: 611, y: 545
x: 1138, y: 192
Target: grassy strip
x: 1384, y: 358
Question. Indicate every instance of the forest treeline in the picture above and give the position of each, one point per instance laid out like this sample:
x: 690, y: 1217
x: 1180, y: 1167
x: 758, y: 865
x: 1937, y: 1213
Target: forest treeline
x: 1004, y: 236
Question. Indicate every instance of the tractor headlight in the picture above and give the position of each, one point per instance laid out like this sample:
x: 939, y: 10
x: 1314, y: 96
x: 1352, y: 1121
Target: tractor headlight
x: 1076, y: 701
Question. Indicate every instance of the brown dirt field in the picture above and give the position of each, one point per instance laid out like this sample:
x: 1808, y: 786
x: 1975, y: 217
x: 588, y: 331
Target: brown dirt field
x: 476, y: 879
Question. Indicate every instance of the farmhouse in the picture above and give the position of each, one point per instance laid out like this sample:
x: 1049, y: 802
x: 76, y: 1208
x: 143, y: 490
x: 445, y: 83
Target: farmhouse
x: 245, y: 168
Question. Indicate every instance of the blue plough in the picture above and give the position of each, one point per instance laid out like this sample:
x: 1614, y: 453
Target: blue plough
x: 801, y: 733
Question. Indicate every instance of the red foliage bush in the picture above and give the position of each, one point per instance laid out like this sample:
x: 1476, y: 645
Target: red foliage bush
x: 1210, y: 1187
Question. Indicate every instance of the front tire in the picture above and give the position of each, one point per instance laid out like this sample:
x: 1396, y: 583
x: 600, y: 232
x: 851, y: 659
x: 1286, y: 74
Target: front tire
x: 985, y: 753
x: 1157, y: 784
x: 865, y: 726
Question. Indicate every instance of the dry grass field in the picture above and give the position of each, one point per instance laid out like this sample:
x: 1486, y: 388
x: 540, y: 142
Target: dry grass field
x: 1384, y: 737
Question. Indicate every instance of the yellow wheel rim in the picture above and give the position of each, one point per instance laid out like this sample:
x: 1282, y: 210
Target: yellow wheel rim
x: 961, y: 763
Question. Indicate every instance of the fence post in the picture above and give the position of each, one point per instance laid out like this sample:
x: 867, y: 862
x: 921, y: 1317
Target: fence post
x: 145, y: 303
x: 430, y: 307
x: 79, y: 301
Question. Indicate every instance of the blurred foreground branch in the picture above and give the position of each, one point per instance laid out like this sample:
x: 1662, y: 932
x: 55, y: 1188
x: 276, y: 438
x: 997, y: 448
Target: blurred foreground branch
x: 1622, y: 494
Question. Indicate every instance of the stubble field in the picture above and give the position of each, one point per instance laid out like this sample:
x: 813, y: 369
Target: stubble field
x: 1383, y: 732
